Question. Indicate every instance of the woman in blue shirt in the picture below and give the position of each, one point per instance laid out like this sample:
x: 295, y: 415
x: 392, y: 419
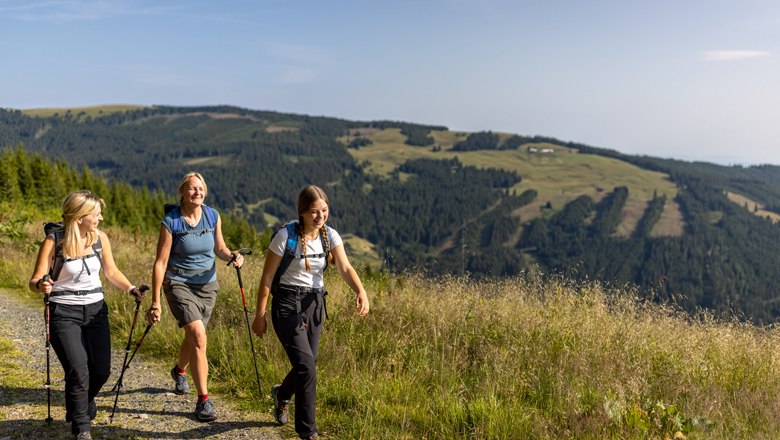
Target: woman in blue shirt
x: 185, y: 269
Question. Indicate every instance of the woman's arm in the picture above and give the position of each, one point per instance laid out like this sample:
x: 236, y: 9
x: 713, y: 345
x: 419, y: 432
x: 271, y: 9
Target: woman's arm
x: 349, y: 275
x: 42, y: 265
x: 164, y: 243
x: 259, y: 325
x: 111, y: 272
x: 221, y: 250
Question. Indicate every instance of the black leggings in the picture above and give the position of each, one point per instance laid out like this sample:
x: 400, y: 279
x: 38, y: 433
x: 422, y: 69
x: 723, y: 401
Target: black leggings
x: 297, y: 318
x: 81, y: 338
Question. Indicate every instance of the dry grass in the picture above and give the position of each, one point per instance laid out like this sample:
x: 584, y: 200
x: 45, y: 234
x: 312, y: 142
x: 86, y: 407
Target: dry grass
x: 752, y: 206
x: 526, y: 357
x: 93, y: 111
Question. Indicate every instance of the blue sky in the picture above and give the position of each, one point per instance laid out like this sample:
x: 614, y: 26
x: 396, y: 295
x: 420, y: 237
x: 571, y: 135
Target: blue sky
x: 694, y: 80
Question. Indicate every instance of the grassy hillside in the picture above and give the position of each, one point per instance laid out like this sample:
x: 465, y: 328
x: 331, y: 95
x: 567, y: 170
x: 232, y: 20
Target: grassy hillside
x: 528, y: 357
x: 493, y: 209
x: 558, y: 177
x: 753, y: 206
x: 81, y: 112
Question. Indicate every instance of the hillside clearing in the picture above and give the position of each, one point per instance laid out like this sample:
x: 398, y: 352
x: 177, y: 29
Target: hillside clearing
x: 558, y: 177
x: 752, y: 206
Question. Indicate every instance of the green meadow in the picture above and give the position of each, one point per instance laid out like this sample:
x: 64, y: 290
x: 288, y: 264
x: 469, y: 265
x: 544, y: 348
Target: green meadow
x: 80, y: 112
x: 528, y: 357
x: 558, y: 177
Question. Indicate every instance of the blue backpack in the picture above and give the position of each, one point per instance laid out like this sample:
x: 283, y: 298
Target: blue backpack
x: 178, y: 228
x: 289, y: 249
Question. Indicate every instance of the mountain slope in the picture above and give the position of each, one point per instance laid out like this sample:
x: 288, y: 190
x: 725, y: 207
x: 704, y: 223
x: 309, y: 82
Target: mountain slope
x: 483, y: 203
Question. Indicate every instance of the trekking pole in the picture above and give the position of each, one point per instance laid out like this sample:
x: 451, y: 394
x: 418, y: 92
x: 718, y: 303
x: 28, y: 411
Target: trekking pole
x: 135, y: 350
x: 247, y: 251
x: 118, y: 385
x: 46, y: 318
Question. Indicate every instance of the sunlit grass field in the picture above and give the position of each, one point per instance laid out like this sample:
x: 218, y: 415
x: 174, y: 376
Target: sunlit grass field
x: 558, y: 177
x: 93, y: 111
x: 529, y: 357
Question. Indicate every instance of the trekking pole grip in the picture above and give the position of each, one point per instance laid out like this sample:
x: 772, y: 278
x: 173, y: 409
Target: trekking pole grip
x: 242, y: 251
x: 143, y: 289
x: 46, y: 277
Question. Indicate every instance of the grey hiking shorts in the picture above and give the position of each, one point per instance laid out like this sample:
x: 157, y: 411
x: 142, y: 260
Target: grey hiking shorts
x: 190, y: 302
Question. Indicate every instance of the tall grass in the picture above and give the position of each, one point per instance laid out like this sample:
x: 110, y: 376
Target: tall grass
x: 529, y: 357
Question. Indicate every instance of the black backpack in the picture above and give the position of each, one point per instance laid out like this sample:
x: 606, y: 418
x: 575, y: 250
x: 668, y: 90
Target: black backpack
x: 58, y: 230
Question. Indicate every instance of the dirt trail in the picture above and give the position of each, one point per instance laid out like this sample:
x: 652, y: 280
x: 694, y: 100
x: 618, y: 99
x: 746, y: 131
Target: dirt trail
x: 147, y: 408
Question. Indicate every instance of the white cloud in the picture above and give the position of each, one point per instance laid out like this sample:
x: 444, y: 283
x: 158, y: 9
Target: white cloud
x: 733, y: 55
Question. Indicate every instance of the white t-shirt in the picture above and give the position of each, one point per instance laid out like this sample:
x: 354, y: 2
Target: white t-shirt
x: 296, y: 274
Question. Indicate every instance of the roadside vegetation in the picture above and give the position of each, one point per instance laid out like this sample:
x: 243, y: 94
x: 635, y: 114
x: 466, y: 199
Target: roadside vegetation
x: 421, y: 196
x: 526, y: 357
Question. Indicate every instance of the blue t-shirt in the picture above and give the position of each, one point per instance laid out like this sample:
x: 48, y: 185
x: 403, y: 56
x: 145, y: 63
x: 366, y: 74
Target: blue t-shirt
x: 193, y: 252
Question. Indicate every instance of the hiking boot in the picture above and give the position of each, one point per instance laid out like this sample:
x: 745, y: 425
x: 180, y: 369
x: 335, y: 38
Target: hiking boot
x: 281, y: 410
x: 182, y: 387
x: 205, y: 411
x: 83, y: 436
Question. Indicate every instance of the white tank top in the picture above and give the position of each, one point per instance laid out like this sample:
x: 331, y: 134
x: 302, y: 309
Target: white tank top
x: 80, y: 274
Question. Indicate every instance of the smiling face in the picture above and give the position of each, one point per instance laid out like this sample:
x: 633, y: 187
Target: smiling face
x: 192, y: 191
x: 313, y: 207
x: 316, y: 216
x: 89, y: 223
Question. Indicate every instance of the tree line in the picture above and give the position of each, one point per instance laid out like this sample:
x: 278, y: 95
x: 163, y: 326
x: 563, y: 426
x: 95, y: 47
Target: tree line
x: 436, y: 215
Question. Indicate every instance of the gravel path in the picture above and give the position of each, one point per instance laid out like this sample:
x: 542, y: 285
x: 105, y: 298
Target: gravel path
x: 147, y: 408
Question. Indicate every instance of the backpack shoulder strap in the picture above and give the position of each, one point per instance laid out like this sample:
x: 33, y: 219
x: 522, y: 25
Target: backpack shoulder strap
x: 289, y: 251
x: 58, y: 230
x: 175, y: 212
x: 211, y: 217
x: 98, y: 248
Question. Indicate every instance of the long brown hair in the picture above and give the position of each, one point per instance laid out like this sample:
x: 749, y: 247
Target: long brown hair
x: 306, y: 197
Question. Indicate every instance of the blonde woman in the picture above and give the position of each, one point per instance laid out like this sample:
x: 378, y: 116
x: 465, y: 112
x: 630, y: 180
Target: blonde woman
x: 67, y: 272
x: 293, y: 274
x: 190, y: 240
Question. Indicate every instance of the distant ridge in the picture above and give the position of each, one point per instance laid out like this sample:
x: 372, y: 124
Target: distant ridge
x: 423, y: 197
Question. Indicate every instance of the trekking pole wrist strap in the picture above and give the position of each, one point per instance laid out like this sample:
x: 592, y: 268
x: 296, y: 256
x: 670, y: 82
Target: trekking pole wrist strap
x: 130, y: 289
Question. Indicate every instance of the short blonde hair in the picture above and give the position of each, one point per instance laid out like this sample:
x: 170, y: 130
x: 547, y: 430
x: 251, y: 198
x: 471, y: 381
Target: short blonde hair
x: 186, y: 180
x: 76, y: 206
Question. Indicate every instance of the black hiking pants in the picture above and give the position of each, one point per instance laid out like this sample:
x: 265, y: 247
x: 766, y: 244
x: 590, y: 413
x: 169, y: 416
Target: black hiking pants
x: 81, y: 338
x: 297, y: 315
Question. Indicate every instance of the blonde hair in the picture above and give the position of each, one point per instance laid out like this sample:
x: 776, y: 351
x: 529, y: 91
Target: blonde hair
x: 306, y: 197
x: 186, y: 180
x: 76, y: 206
